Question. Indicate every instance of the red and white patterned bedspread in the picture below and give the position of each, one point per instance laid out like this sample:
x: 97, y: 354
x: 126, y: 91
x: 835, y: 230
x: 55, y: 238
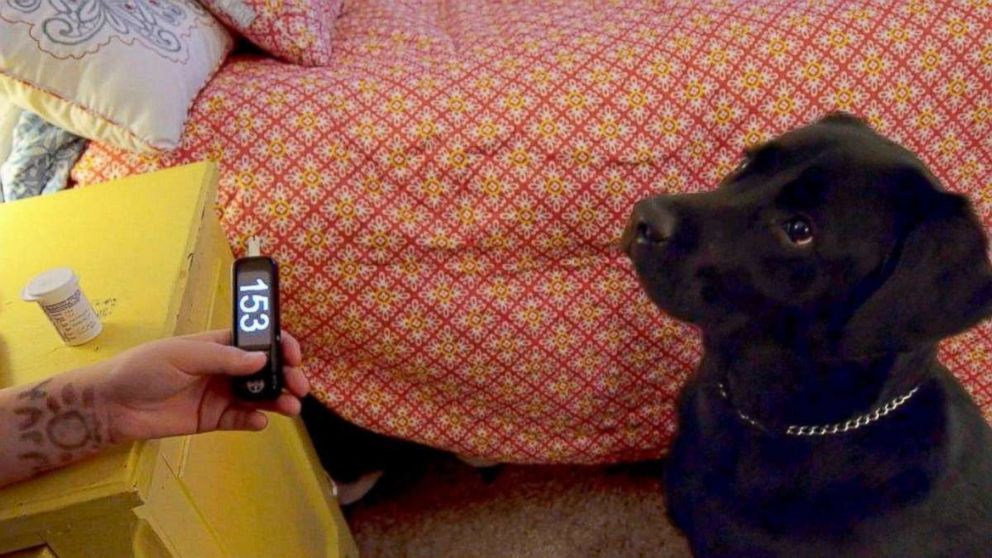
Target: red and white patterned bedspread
x: 444, y: 199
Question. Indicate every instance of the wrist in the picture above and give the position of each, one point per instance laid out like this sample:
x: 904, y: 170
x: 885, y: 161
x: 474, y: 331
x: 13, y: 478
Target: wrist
x: 103, y: 417
x: 113, y: 416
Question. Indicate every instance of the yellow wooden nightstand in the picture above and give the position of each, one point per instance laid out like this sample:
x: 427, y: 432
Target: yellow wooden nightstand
x: 152, y: 258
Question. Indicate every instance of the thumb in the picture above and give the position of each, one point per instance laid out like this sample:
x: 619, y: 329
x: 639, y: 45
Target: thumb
x: 204, y: 357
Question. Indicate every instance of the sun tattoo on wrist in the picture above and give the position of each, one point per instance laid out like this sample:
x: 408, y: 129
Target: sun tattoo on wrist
x: 58, y: 427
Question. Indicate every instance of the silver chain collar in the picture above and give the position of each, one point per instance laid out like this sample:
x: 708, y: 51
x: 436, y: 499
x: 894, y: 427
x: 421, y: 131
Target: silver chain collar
x: 827, y: 429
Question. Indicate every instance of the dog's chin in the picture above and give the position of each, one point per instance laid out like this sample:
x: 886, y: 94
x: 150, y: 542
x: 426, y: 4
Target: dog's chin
x: 697, y: 303
x: 666, y: 281
x: 680, y: 303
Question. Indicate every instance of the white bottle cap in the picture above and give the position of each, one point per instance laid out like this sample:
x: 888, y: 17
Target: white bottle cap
x: 57, y: 292
x: 51, y: 286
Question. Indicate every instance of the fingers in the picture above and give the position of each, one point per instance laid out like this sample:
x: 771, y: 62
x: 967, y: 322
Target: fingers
x: 285, y: 404
x: 296, y: 383
x: 197, y: 357
x: 245, y: 416
x: 242, y: 418
x: 291, y: 354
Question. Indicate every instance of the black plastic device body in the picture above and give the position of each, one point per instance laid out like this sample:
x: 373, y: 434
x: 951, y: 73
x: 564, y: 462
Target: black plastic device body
x: 255, y: 327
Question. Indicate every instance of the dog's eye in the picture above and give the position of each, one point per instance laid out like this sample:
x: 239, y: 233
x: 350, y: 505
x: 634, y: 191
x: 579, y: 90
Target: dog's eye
x: 799, y: 230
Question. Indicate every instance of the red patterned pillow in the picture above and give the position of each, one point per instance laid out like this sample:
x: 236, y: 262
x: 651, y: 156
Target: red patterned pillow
x: 299, y: 31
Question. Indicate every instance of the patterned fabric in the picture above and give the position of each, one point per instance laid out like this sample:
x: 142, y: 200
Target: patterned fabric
x: 94, y: 66
x: 81, y: 27
x: 296, y: 30
x: 39, y: 160
x: 445, y: 197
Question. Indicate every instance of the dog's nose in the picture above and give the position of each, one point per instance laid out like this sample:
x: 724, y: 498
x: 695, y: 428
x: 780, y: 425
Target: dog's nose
x: 652, y: 222
x: 648, y: 232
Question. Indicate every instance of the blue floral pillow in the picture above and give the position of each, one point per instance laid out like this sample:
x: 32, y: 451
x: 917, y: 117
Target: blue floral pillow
x: 39, y: 160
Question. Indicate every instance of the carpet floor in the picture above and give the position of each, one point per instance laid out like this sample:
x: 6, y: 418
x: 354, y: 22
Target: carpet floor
x: 441, y: 508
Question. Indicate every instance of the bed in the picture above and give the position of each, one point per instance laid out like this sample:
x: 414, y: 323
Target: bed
x: 445, y: 195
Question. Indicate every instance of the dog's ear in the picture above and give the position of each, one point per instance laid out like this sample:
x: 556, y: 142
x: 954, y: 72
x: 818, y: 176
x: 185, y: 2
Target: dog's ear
x: 941, y: 282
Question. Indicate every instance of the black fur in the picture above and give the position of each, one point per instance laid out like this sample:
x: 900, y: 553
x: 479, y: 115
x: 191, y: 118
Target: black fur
x: 818, y: 333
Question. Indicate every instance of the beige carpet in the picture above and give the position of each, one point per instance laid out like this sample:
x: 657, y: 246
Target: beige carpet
x: 443, y: 508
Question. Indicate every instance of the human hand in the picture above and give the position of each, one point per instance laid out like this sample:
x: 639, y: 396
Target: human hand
x: 182, y: 385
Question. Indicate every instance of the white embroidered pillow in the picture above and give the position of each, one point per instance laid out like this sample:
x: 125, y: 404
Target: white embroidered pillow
x: 124, y: 72
x: 8, y: 119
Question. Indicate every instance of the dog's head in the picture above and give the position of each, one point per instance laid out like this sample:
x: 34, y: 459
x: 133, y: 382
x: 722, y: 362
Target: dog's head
x: 829, y: 233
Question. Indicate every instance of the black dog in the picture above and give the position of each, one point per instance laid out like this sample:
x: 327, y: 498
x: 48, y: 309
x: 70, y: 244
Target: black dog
x: 823, y: 272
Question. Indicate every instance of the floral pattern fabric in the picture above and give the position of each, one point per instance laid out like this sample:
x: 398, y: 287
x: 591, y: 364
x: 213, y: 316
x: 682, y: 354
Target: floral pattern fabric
x: 299, y: 31
x: 445, y: 197
x: 39, y: 160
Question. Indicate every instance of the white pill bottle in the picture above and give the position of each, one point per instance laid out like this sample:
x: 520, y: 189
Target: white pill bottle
x: 57, y: 292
